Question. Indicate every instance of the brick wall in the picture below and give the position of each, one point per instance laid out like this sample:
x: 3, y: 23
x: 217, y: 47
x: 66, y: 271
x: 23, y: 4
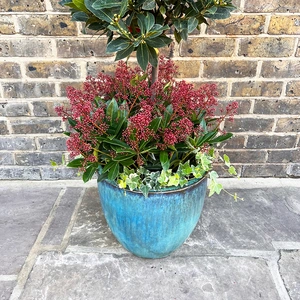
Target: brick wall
x: 253, y: 56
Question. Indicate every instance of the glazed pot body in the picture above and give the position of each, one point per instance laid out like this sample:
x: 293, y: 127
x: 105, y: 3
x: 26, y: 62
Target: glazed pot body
x: 152, y: 227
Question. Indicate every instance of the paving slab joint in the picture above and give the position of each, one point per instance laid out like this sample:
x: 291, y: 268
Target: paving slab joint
x: 282, y: 289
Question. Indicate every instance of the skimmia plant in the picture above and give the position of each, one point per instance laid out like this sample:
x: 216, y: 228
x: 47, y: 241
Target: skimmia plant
x: 140, y: 128
x: 140, y: 141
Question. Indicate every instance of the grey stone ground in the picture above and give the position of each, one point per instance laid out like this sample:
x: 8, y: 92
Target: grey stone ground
x: 55, y: 244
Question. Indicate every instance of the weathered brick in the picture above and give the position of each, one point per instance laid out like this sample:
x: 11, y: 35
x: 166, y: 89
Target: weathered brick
x: 93, y: 68
x: 17, y: 143
x: 249, y: 124
x: 188, y: 68
x: 259, y: 6
x: 271, y: 141
x: 20, y: 173
x: 207, y: 47
x: 36, y: 126
x: 47, y: 25
x: 9, y: 70
x: 49, y: 173
x: 236, y: 142
x: 53, y: 69
x: 3, y: 127
x: 238, y: 24
x: 267, y: 46
x: 25, y: 48
x: 293, y: 170
x: 17, y: 109
x: 288, y: 125
x: 256, y: 88
x: 280, y: 69
x: 223, y: 173
x: 28, y: 90
x: 222, y: 87
x: 284, y: 25
x: 246, y: 156
x: 53, y: 143
x: 64, y: 85
x: 45, y: 108
x: 264, y: 170
x: 37, y: 158
x: 293, y: 89
x: 276, y: 106
x: 244, y: 106
x: 6, y: 158
x: 87, y: 47
x: 229, y: 69
x: 7, y: 25
x: 298, y: 49
x: 21, y: 6
x: 57, y: 7
x: 283, y: 156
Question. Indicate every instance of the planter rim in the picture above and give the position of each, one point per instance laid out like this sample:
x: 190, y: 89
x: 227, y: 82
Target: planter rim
x: 168, y: 190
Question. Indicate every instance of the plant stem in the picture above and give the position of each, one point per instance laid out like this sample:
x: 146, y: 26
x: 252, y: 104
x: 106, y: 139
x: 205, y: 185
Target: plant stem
x: 154, y: 74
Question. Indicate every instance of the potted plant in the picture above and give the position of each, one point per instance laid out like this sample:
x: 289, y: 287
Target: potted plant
x: 149, y: 138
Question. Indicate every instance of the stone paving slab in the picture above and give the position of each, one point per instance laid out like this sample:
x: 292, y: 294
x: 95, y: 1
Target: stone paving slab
x: 90, y: 228
x: 62, y: 216
x: 265, y: 216
x: 23, y: 212
x: 6, y: 288
x: 99, y: 276
x: 238, y: 250
x: 289, y: 266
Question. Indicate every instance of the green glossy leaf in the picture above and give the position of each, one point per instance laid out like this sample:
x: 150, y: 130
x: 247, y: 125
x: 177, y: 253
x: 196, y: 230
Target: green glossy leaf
x: 124, y: 8
x: 102, y: 4
x: 206, y: 138
x: 153, y: 58
x: 122, y: 157
x: 143, y: 55
x: 177, y: 36
x: 127, y: 162
x: 72, y: 122
x: 219, y: 13
x: 167, y: 115
x: 112, y: 110
x: 114, y: 142
x: 117, y: 45
x: 221, y: 138
x: 81, y: 6
x: 164, y: 160
x: 80, y: 16
x: 75, y: 163
x: 104, y: 14
x: 192, y: 24
x: 114, y: 171
x: 89, y: 172
x: 159, y: 42
x: 125, y: 53
x: 149, y: 5
x: 154, y: 125
x: 64, y: 2
x: 182, y: 28
x: 157, y: 30
x: 108, y: 166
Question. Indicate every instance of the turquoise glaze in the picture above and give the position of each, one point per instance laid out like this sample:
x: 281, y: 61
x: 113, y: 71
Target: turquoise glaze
x: 152, y: 227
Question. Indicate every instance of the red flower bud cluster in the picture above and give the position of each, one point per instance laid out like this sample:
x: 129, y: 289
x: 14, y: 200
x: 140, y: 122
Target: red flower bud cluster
x: 162, y: 114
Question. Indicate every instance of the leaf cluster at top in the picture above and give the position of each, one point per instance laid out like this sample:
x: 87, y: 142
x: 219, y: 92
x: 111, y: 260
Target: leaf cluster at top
x: 142, y: 25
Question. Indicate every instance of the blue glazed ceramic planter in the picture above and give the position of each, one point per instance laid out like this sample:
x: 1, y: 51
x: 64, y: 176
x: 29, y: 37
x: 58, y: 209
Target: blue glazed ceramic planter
x: 152, y: 227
